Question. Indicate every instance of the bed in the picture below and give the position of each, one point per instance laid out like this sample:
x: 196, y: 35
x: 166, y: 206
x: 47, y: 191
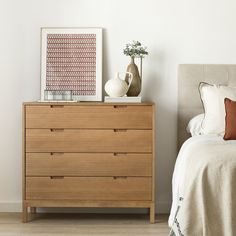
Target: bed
x: 204, y: 178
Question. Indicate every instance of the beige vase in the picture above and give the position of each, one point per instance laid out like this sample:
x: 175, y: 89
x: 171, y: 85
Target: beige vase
x: 135, y: 86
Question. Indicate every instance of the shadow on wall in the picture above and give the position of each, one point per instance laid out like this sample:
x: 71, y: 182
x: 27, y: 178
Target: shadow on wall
x: 152, y: 71
x: 105, y: 60
x: 155, y: 88
x: 166, y: 154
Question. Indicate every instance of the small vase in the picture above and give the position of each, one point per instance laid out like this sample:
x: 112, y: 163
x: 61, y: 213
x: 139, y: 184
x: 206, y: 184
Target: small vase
x: 135, y: 86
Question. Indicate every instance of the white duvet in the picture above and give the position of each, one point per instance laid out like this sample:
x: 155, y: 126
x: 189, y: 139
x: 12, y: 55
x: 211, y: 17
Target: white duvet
x: 204, y: 179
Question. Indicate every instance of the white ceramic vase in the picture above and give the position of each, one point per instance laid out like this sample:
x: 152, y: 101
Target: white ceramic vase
x: 117, y: 87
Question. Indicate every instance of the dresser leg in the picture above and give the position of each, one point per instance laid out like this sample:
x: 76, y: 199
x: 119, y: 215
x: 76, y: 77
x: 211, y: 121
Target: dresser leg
x: 24, y: 213
x: 33, y: 210
x: 152, y: 214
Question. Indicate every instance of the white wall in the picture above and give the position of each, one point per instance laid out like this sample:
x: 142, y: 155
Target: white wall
x: 183, y: 31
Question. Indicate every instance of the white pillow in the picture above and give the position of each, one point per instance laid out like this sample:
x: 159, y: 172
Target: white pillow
x: 195, y: 125
x: 213, y: 102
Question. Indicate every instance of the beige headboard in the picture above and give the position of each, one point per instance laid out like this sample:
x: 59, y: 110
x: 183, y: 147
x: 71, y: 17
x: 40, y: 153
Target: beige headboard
x: 189, y: 102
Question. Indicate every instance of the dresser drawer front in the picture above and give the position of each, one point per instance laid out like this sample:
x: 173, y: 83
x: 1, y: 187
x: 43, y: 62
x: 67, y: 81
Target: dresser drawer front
x: 46, y: 140
x: 106, y: 116
x: 88, y: 164
x: 89, y: 188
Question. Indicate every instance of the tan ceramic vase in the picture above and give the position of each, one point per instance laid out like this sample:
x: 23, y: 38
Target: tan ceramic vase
x: 135, y: 86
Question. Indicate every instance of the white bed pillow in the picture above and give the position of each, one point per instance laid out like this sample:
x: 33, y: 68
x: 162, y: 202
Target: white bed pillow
x: 195, y: 125
x: 212, y: 97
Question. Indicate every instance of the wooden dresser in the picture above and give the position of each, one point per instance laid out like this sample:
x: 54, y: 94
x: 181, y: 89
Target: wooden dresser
x: 88, y: 155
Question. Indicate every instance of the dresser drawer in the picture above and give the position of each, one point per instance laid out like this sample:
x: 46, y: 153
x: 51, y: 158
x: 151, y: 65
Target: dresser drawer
x: 88, y: 164
x: 102, y: 116
x: 69, y: 140
x: 89, y: 188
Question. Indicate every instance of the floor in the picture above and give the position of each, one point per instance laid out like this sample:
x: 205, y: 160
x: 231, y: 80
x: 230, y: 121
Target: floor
x: 82, y: 225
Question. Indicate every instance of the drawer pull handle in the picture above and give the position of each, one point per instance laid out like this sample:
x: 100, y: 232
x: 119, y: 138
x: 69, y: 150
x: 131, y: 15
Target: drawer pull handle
x: 57, y: 153
x: 56, y: 106
x: 119, y: 177
x: 56, y: 177
x: 56, y: 130
x: 120, y: 106
x: 116, y: 154
x: 120, y: 130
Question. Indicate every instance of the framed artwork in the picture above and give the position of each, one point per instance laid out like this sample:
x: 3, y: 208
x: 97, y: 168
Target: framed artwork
x: 71, y: 62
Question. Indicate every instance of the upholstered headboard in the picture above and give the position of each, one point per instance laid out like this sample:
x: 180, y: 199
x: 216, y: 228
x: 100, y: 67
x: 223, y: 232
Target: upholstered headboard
x: 189, y: 102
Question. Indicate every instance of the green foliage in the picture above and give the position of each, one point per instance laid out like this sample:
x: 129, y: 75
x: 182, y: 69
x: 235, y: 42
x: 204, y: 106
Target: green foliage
x: 135, y: 49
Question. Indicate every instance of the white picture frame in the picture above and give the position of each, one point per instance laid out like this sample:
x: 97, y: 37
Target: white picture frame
x: 58, y: 72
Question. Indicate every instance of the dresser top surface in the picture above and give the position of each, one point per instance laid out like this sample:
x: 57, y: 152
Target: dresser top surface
x: 35, y: 103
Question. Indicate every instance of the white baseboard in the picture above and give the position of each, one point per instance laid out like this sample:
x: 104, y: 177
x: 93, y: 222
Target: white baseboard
x: 10, y: 206
x: 162, y: 207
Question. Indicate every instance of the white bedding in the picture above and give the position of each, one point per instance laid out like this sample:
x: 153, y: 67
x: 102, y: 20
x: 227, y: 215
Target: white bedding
x: 213, y: 150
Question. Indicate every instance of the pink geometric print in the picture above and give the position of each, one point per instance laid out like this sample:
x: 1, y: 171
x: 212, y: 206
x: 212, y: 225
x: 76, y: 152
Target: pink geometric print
x: 71, y: 63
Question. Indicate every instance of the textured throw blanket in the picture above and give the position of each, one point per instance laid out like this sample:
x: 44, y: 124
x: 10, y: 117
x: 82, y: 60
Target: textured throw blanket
x: 204, y: 188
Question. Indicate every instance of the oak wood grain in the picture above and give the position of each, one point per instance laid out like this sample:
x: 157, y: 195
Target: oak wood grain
x: 88, y: 164
x: 74, y: 140
x: 91, y: 117
x: 88, y: 155
x: 89, y: 203
x: 89, y: 188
